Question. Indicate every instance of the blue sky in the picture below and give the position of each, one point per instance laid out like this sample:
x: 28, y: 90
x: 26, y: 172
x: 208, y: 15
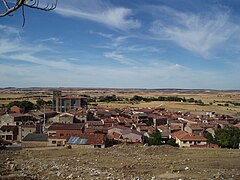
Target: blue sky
x: 123, y: 44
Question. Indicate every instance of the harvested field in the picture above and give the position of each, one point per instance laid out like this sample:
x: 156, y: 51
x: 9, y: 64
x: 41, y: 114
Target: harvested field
x: 121, y: 162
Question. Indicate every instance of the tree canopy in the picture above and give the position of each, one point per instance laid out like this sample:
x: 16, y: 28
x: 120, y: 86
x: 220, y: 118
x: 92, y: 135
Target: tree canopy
x: 155, y: 138
x: 228, y: 137
x: 24, y: 105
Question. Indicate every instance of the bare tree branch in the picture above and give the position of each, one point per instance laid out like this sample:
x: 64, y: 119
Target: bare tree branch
x: 18, y: 4
x: 22, y: 3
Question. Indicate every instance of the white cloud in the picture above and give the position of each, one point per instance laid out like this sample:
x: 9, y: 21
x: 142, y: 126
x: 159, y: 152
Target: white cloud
x: 117, y: 56
x: 198, y: 33
x: 98, y: 11
x: 52, y: 39
x: 109, y: 36
x: 9, y: 29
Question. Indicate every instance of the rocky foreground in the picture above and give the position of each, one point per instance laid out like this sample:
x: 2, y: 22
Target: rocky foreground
x: 120, y: 162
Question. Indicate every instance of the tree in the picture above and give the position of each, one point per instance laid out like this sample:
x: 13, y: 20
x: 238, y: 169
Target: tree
x: 172, y: 142
x: 26, y: 3
x: 209, y: 137
x: 155, y: 138
x: 25, y: 105
x: 228, y: 137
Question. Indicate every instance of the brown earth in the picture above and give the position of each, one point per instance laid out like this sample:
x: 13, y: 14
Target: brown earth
x: 121, y: 162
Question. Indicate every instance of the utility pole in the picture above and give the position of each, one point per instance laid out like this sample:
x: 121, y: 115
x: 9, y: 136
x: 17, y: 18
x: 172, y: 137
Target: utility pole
x: 44, y: 118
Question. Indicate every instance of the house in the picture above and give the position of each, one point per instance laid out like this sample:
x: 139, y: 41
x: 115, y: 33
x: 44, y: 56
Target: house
x: 66, y: 118
x: 94, y: 124
x: 58, y: 132
x: 68, y: 102
x: 194, y: 129
x: 87, y: 141
x: 8, y: 132
x: 165, y: 132
x: 157, y: 119
x: 25, y: 129
x: 124, y: 134
x: 175, y: 128
x: 35, y: 140
x: 7, y: 119
x: 60, y: 138
x: 140, y: 117
x: 51, y: 130
x: 14, y: 118
x: 16, y: 109
x: 40, y: 114
x: 185, y: 139
x: 144, y: 128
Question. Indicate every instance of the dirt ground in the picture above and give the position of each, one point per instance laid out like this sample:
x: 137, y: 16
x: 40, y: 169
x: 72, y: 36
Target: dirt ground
x: 121, y: 162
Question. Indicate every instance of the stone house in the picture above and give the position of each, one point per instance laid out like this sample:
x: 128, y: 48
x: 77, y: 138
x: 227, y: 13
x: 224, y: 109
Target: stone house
x: 124, y: 134
x: 185, y: 139
x: 9, y: 133
x: 25, y: 129
x: 87, y: 141
x: 35, y: 140
x: 194, y: 129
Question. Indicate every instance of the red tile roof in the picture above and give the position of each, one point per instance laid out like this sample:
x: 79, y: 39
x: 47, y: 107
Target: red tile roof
x: 195, y: 127
x: 8, y: 128
x: 94, y: 123
x: 175, y: 127
x: 237, y: 125
x: 2, y: 112
x: 61, y: 126
x: 73, y: 97
x: 184, y: 136
x: 162, y: 127
x: 16, y: 115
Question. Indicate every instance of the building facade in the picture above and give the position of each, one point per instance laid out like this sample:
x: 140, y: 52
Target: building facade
x: 65, y: 103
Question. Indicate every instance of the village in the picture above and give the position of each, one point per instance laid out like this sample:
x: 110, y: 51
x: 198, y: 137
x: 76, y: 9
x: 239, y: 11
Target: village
x: 71, y: 124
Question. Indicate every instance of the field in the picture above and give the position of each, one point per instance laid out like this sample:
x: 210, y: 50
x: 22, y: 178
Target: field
x: 213, y: 100
x: 121, y: 162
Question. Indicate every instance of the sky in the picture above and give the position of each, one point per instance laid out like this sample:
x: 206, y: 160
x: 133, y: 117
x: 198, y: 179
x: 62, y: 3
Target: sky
x: 192, y: 44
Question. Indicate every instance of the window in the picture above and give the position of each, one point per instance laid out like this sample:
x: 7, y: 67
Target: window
x: 199, y: 142
x: 61, y: 134
x: 184, y: 142
x: 54, y: 142
x: 8, y: 137
x: 190, y: 142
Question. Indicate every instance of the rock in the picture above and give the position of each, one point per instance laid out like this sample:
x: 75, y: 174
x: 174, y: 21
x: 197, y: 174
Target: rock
x: 186, y: 168
x: 58, y: 174
x: 70, y: 176
x: 219, y: 175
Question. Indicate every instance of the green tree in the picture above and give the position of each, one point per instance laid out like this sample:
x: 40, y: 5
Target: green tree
x: 228, y: 137
x: 209, y: 137
x: 24, y: 105
x: 149, y: 122
x: 155, y: 138
x: 172, y: 142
